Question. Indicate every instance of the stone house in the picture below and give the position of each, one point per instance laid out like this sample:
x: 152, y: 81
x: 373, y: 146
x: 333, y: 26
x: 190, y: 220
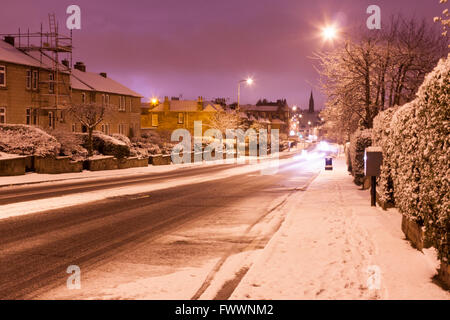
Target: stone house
x: 29, y: 87
x: 177, y: 114
x: 268, y: 116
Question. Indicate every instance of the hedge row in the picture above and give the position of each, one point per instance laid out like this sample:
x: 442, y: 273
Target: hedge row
x: 416, y: 148
x: 359, y: 141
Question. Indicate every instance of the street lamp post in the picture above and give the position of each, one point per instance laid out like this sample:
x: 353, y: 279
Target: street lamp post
x: 249, y: 81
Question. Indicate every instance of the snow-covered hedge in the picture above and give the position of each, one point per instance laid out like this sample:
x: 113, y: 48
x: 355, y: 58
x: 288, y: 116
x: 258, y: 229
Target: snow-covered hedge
x: 381, y: 136
x: 359, y: 141
x: 135, y: 149
x: 27, y: 140
x: 433, y: 125
x: 416, y: 151
x: 108, y: 145
x: 71, y: 144
x: 405, y: 161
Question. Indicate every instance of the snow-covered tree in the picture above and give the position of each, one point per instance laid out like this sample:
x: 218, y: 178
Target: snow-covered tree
x: 375, y: 70
x: 223, y: 120
x: 444, y: 20
x: 90, y: 115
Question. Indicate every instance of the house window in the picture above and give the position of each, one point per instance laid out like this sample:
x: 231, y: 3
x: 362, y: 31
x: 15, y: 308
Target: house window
x: 83, y: 98
x: 2, y: 115
x: 180, y: 118
x: 122, y: 128
x: 74, y: 127
x: 51, y: 84
x: 2, y: 76
x: 51, y: 120
x: 154, y: 120
x: 122, y: 104
x: 29, y: 79
x: 34, y: 114
x: 105, y: 128
x: 130, y: 105
x: 103, y: 100
x: 28, y: 116
x: 35, y: 79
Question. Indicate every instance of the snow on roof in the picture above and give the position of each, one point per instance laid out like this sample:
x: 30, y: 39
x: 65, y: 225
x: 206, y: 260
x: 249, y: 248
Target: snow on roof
x: 102, y: 84
x: 188, y: 106
x: 9, y: 53
x: 259, y: 108
x: 243, y: 115
x: 79, y: 80
x: 277, y: 121
x: 77, y: 84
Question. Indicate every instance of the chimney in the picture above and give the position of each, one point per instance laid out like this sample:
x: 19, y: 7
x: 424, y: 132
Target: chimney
x: 166, y: 104
x: 103, y: 74
x: 10, y: 40
x: 200, y: 104
x: 80, y: 66
x: 65, y: 63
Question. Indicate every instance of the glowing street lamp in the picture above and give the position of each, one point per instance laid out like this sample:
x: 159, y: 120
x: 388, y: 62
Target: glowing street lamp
x: 329, y: 33
x: 249, y: 82
x: 154, y: 101
x: 294, y: 108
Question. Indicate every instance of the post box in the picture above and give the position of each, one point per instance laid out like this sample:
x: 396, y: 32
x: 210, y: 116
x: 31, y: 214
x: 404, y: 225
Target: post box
x: 373, y: 159
x: 328, y: 163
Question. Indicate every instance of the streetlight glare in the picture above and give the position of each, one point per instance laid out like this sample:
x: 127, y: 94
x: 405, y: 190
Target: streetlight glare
x: 329, y: 32
x: 294, y: 108
x: 249, y: 81
x: 154, y: 100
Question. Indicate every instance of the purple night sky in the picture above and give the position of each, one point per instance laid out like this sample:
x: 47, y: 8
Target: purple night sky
x: 203, y: 47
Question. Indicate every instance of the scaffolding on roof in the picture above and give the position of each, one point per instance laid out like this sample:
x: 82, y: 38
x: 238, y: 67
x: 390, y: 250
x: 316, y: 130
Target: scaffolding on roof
x: 49, y: 47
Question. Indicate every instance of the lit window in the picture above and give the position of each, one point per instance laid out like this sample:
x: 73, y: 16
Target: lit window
x: 2, y: 76
x: 2, y: 115
x: 35, y: 80
x: 28, y: 79
x: 154, y: 120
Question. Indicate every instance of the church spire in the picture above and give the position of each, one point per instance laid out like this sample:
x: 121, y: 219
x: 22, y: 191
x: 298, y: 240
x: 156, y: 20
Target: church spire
x: 311, y: 103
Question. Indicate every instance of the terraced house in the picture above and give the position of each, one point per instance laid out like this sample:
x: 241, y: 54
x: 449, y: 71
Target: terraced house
x: 37, y: 89
x: 177, y: 114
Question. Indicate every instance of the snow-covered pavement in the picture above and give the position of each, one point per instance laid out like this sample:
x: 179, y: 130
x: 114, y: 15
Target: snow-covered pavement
x: 333, y: 245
